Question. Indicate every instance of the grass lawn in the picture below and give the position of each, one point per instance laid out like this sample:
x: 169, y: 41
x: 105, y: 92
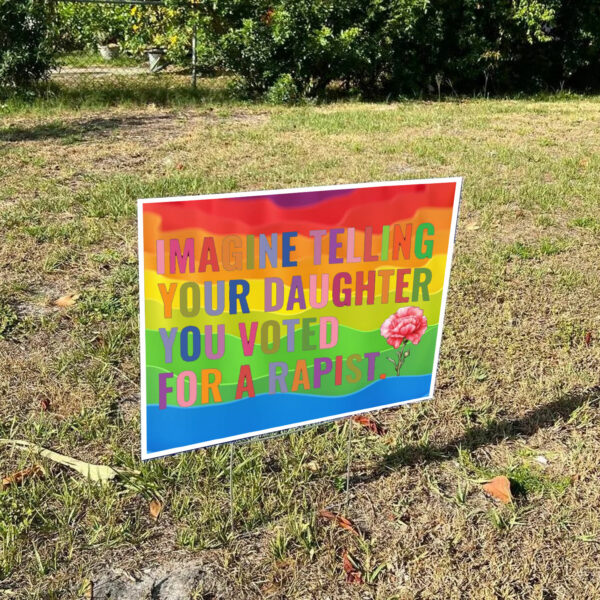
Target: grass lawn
x: 518, y: 386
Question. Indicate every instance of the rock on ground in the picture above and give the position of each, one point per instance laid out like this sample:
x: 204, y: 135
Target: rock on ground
x: 172, y: 581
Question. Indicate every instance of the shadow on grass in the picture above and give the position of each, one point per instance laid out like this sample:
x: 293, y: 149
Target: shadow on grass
x: 96, y: 126
x: 96, y: 97
x: 541, y: 417
x: 112, y: 93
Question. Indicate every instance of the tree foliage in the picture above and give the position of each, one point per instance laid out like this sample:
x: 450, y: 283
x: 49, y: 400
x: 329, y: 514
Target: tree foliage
x: 378, y: 47
x: 26, y: 49
x: 407, y: 46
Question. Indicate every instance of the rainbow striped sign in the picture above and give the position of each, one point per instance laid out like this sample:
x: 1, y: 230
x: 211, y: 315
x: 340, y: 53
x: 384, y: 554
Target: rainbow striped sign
x: 262, y: 311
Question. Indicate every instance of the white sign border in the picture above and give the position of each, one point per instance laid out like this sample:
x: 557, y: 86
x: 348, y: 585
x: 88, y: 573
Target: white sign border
x: 142, y: 320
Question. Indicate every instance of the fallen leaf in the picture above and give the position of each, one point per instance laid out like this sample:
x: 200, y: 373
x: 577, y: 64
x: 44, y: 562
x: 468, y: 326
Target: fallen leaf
x: 588, y: 338
x: 45, y: 404
x: 499, y: 488
x: 353, y: 574
x: 87, y: 589
x: 472, y: 227
x: 269, y: 589
x: 89, y: 470
x: 67, y: 300
x: 370, y: 424
x: 20, y: 476
x: 341, y: 521
x: 155, y: 509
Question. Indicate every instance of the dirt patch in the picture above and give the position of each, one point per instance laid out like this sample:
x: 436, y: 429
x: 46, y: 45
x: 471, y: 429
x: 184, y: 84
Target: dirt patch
x: 179, y: 580
x: 136, y: 125
x: 73, y: 153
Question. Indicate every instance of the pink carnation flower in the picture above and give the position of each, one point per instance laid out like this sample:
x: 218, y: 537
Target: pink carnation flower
x: 407, y: 323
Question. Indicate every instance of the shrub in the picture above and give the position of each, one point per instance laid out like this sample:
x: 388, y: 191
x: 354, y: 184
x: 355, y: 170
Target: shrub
x: 283, y: 91
x: 411, y: 46
x: 308, y: 39
x: 26, y: 54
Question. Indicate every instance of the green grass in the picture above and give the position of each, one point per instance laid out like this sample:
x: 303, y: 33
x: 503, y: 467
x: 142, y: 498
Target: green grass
x: 518, y: 371
x: 88, y: 91
x: 592, y: 223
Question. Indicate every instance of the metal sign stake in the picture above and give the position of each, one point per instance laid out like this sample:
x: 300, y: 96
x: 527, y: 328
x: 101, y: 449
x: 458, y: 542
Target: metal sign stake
x: 194, y: 56
x: 231, y: 487
x: 348, y: 461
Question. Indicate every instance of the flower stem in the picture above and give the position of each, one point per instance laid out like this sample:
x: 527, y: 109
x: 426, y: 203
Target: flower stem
x: 401, y: 356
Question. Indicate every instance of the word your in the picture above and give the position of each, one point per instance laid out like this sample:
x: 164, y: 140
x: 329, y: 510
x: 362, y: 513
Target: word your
x: 342, y: 289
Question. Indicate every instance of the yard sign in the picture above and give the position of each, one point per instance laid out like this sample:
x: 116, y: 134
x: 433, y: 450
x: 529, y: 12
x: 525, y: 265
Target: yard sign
x: 262, y: 311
